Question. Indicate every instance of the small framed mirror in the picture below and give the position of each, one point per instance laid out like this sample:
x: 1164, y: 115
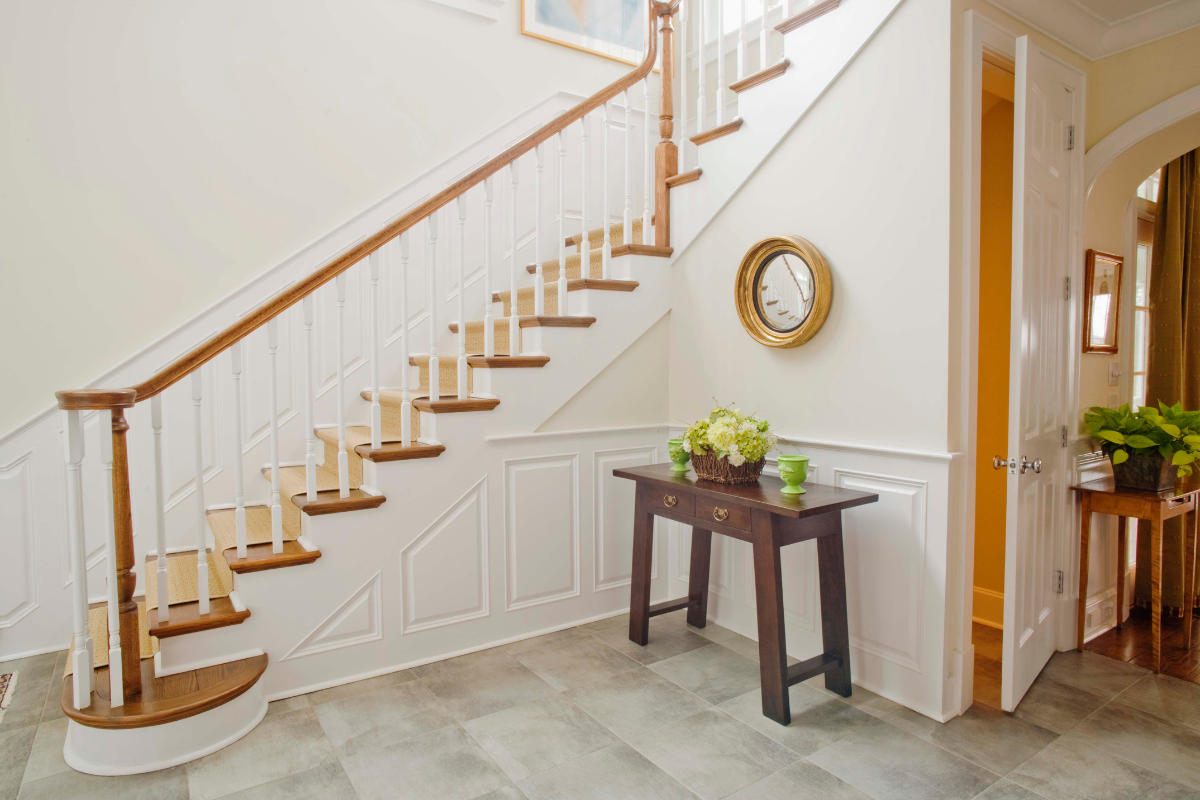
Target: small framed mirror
x: 1101, y: 302
x: 783, y: 291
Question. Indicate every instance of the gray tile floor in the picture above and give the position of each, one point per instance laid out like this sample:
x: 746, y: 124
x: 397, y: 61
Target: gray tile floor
x: 585, y: 714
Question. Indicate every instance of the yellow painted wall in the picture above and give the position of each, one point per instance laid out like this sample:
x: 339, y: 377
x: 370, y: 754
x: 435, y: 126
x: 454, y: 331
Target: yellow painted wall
x: 995, y: 277
x: 1124, y: 85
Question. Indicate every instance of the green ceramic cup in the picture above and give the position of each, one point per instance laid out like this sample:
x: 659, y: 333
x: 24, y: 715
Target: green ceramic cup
x: 678, y: 455
x: 794, y: 471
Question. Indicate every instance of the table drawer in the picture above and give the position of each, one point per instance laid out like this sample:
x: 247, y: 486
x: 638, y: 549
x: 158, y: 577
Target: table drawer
x: 1181, y: 505
x: 723, y: 513
x: 672, y: 500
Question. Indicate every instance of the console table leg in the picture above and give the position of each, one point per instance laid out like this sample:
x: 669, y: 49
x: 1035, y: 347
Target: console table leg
x: 643, y: 556
x: 1189, y: 578
x: 697, y: 615
x: 768, y: 586
x: 835, y: 631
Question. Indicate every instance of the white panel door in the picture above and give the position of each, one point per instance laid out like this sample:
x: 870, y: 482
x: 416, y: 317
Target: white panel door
x: 1039, y: 361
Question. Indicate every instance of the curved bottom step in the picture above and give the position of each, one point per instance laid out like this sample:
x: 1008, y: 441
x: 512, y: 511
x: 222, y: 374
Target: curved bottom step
x: 130, y: 751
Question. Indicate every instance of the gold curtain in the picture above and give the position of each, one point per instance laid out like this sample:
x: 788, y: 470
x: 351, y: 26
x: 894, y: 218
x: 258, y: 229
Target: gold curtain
x: 1173, y: 371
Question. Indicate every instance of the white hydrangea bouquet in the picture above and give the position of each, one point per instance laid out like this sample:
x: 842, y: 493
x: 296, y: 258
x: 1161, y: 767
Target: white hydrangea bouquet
x: 728, y: 446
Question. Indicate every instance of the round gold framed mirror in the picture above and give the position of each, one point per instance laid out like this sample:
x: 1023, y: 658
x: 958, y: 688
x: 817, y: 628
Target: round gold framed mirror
x: 783, y: 291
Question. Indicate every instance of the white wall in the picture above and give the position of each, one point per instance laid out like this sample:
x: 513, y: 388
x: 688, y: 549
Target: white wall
x: 865, y: 177
x: 158, y: 156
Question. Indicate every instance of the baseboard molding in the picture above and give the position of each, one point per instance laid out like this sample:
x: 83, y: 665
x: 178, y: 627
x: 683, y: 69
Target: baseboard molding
x: 987, y: 607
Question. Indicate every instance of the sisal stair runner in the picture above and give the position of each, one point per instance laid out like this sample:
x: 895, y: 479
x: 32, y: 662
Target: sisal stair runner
x: 98, y: 629
x: 574, y: 267
x: 527, y: 296
x: 615, y: 236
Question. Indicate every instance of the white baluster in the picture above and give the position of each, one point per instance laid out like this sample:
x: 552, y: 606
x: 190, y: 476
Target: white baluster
x: 648, y: 164
x: 762, y: 36
x: 160, y: 515
x: 462, y: 303
x: 116, y: 688
x: 339, y: 284
x: 605, y: 216
x: 489, y: 333
x: 721, y: 62
x: 276, y: 508
x: 539, y: 282
x: 585, y: 243
x: 434, y: 369
x: 560, y: 175
x: 239, y: 497
x: 683, y: 82
x: 701, y: 79
x: 310, y: 452
x: 201, y: 521
x: 741, y: 40
x: 514, y: 322
x: 376, y: 409
x: 627, y: 217
x: 82, y: 677
x: 405, y: 397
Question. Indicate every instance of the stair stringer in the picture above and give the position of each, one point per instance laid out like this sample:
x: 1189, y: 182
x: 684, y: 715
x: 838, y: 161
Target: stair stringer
x: 355, y: 546
x: 819, y: 51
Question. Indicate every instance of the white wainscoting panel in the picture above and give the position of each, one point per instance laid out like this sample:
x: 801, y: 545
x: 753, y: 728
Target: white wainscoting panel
x: 541, y: 529
x: 885, y: 556
x: 444, y: 571
x: 613, y: 499
x: 18, y: 577
x: 358, y: 620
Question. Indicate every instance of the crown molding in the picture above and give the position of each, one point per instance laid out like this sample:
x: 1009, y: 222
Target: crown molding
x: 1072, y: 25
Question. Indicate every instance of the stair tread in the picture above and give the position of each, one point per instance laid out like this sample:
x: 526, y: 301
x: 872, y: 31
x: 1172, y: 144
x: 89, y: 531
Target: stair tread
x: 507, y: 362
x: 616, y: 233
x: 807, y: 15
x: 259, y: 557
x: 186, y: 617
x: 762, y: 76
x: 452, y: 405
x: 684, y: 178
x: 330, y: 502
x: 545, y: 321
x: 165, y: 699
x: 717, y: 132
x: 395, y: 451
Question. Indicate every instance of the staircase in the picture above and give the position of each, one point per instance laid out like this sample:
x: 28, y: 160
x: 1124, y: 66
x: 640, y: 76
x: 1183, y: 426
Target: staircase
x: 165, y: 674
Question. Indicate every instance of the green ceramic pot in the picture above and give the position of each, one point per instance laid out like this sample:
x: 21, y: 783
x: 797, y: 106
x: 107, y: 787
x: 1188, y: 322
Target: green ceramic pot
x: 794, y: 471
x: 678, y: 455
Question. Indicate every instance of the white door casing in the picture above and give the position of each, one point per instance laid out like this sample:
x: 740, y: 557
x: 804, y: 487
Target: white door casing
x: 1040, y: 361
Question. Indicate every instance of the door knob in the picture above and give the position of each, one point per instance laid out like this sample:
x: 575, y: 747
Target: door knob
x: 999, y: 462
x: 1035, y: 465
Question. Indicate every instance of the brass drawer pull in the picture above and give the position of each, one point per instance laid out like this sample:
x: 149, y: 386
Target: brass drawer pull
x: 720, y: 514
x: 670, y: 500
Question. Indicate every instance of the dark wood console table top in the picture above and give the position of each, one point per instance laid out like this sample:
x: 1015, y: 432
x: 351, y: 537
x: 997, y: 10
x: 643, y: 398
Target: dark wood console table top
x: 1103, y: 496
x: 760, y: 514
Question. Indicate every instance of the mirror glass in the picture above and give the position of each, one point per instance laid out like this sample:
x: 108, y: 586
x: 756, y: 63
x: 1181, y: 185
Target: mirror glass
x: 784, y: 291
x: 1103, y: 293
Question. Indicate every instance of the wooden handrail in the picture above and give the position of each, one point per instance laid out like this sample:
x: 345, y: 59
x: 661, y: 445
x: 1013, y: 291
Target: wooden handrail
x: 211, y: 348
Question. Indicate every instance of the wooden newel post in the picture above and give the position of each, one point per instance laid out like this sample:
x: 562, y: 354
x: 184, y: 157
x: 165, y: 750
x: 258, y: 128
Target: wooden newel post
x: 131, y: 645
x: 666, y: 155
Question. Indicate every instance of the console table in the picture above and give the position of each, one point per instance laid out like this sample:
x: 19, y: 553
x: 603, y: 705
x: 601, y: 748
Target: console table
x: 759, y: 514
x: 1103, y: 496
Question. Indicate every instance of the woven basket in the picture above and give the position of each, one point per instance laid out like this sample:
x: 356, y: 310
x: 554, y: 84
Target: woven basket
x: 713, y: 468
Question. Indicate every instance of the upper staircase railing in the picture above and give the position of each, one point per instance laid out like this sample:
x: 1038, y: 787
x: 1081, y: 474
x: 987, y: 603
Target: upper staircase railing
x: 124, y: 642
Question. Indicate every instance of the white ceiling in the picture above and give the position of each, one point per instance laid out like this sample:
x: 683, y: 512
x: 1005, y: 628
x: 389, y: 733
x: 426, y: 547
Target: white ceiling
x: 1098, y: 28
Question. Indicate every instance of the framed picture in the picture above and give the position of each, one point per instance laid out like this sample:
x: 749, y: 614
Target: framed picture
x: 1101, y: 302
x: 614, y: 29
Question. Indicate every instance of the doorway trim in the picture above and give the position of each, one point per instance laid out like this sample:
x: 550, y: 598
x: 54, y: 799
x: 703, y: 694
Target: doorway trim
x: 982, y: 35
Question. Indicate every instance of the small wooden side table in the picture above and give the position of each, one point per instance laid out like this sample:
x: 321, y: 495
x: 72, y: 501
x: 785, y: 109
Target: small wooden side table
x: 1103, y: 496
x: 759, y: 514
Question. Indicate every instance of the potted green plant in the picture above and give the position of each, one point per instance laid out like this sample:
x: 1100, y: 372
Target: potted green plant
x: 1148, y: 447
x: 728, y: 446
